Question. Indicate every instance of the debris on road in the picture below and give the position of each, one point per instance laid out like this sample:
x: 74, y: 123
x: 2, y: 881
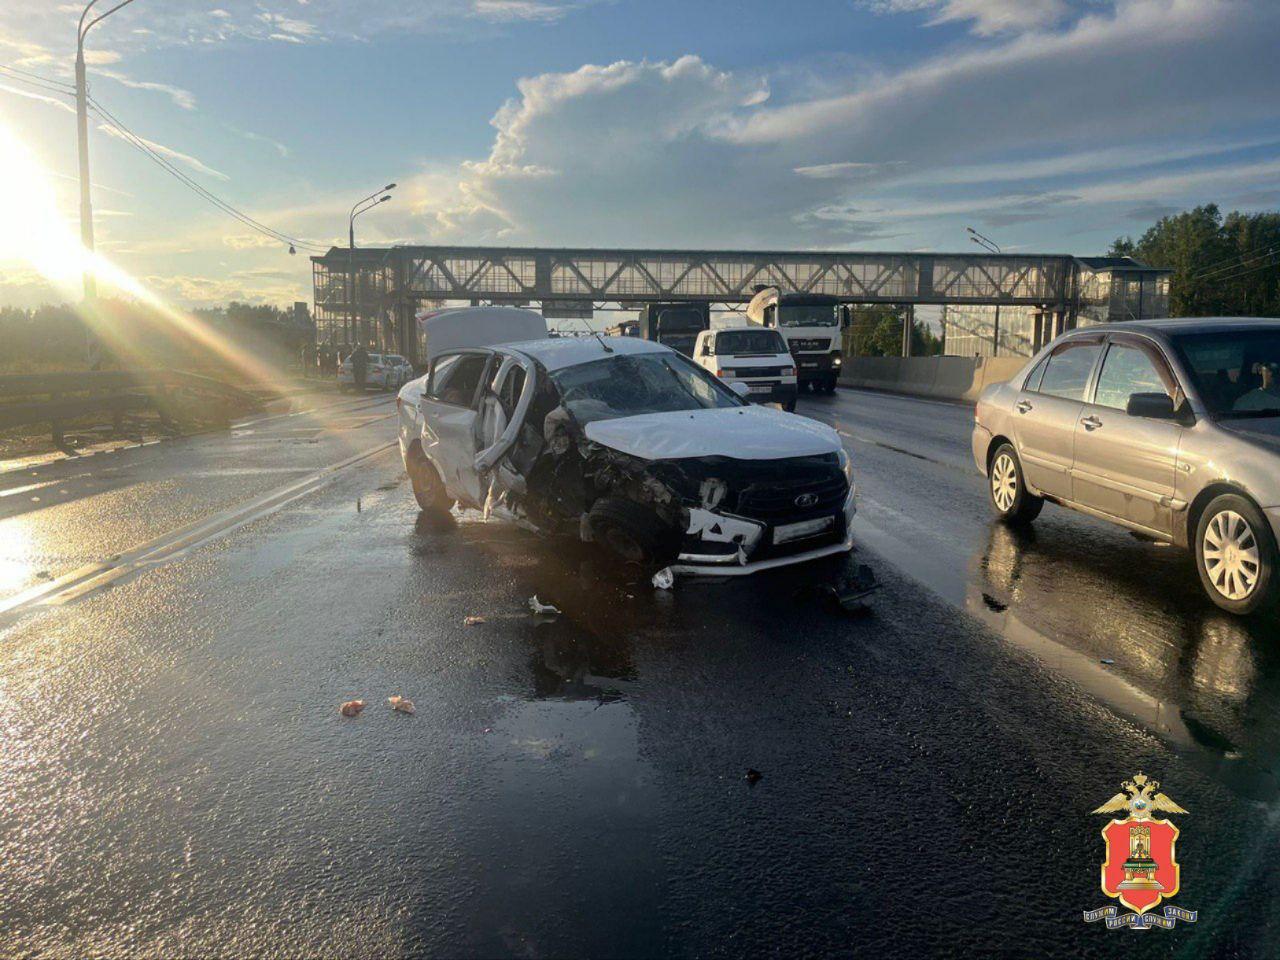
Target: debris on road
x: 664, y: 579
x: 753, y: 776
x: 1107, y: 661
x: 351, y: 708
x: 472, y: 620
x: 358, y: 505
x: 851, y: 593
x: 401, y: 705
x: 542, y: 608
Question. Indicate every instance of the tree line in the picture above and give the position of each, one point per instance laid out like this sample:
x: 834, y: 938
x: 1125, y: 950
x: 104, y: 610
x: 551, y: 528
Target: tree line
x: 127, y: 334
x: 1222, y: 266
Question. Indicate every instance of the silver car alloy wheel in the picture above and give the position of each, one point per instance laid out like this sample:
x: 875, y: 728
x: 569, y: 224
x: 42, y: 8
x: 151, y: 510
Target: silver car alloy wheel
x: 1231, y: 555
x: 1004, y: 482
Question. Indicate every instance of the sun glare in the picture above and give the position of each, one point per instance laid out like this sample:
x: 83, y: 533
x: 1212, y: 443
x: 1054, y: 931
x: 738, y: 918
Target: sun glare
x: 33, y: 234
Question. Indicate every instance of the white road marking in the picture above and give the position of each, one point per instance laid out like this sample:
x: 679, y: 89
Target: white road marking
x: 169, y: 546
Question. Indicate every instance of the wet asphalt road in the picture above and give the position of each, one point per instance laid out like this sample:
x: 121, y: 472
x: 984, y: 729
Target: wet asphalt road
x: 176, y: 778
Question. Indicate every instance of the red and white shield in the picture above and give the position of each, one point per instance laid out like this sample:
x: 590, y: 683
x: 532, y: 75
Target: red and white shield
x: 1140, y: 869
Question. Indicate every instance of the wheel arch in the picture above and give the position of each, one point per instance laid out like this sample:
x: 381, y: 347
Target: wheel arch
x: 1205, y: 497
x: 997, y: 441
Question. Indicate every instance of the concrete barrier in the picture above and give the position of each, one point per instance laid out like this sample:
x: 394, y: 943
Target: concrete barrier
x: 945, y: 378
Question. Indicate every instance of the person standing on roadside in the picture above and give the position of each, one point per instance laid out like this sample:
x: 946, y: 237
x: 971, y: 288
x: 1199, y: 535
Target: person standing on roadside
x: 360, y: 366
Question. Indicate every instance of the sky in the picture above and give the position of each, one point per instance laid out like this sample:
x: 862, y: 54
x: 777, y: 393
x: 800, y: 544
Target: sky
x: 1051, y: 126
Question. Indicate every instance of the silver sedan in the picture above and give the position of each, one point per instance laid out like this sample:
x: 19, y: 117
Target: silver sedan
x: 1168, y: 427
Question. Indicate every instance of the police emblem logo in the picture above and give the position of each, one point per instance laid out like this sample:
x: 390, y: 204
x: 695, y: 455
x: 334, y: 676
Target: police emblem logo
x: 1141, y: 868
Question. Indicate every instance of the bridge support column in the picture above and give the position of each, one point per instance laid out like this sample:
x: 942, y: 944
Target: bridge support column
x: 908, y: 325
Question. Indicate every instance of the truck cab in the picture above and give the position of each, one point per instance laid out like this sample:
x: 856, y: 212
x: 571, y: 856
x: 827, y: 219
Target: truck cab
x: 812, y: 325
x: 758, y: 358
x: 676, y: 325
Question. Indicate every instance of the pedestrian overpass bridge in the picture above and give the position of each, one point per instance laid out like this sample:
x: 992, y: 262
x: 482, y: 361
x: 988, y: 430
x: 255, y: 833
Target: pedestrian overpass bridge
x: 372, y: 294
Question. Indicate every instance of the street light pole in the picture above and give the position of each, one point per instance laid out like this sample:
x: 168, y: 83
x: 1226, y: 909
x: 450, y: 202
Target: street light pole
x: 356, y: 210
x: 82, y: 140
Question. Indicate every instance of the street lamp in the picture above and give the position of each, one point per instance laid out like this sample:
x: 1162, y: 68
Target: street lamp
x: 82, y: 132
x: 368, y: 203
x: 984, y: 242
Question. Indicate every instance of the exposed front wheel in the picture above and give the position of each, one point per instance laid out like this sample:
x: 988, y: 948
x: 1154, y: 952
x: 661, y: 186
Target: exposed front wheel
x: 1013, y: 503
x: 790, y: 405
x: 1236, y: 555
x: 633, y: 532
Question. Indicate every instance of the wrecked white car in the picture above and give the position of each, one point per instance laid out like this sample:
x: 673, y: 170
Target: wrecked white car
x: 628, y: 444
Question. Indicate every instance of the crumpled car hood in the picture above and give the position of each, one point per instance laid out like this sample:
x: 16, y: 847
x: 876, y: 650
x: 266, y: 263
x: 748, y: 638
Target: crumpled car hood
x: 744, y: 433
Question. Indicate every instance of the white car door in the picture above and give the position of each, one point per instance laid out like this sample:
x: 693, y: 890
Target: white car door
x: 450, y: 418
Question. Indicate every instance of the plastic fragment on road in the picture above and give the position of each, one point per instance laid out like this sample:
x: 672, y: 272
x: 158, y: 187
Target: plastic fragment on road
x: 401, y: 705
x: 753, y: 776
x: 1107, y: 661
x: 472, y: 620
x: 664, y: 579
x: 542, y: 608
x: 351, y: 708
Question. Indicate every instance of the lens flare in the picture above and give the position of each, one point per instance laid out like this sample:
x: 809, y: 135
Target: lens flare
x: 37, y: 237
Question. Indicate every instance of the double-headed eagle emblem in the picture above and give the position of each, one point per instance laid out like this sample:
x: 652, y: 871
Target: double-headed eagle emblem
x: 1142, y: 800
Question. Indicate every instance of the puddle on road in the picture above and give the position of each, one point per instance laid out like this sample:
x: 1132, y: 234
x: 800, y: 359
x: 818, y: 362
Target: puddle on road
x: 1123, y: 620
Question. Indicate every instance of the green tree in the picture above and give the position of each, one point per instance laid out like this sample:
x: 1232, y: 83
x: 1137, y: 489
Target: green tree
x: 1221, y: 266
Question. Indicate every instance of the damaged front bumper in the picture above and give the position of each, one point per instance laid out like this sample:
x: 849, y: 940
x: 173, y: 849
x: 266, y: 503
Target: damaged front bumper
x: 722, y: 545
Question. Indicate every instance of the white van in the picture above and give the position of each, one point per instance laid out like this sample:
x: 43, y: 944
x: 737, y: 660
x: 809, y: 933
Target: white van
x: 754, y: 356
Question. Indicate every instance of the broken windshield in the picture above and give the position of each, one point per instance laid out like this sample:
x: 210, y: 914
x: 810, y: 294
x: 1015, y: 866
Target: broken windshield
x: 625, y: 386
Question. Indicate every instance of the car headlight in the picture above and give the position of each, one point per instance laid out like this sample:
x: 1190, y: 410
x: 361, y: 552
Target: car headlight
x: 835, y: 361
x: 846, y: 464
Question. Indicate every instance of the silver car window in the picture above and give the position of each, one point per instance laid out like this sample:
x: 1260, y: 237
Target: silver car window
x: 1127, y: 370
x: 1068, y: 370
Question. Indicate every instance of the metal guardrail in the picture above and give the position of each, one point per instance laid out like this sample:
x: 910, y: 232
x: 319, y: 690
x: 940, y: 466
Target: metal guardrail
x: 56, y: 398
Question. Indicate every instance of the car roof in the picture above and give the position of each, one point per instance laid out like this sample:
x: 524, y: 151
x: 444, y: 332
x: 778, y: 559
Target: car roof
x: 560, y: 352
x: 1181, y: 325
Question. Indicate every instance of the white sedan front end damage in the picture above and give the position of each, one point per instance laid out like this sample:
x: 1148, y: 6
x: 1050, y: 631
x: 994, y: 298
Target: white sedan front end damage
x: 721, y: 544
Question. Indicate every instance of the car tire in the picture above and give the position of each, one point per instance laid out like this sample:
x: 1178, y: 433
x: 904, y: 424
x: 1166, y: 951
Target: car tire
x: 1012, y: 502
x: 428, y: 488
x: 1235, y: 553
x: 790, y: 405
x: 633, y: 532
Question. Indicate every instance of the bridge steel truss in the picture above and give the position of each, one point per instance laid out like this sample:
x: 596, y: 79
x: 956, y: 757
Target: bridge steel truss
x: 392, y: 282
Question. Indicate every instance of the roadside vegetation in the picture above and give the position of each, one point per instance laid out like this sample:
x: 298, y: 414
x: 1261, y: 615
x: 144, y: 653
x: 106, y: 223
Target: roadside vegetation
x: 1222, y: 266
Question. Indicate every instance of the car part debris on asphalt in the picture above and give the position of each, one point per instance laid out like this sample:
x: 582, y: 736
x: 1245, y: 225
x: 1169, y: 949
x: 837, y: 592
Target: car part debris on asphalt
x: 472, y: 620
x: 753, y: 776
x: 351, y: 708
x: 401, y: 705
x: 664, y: 579
x: 850, y: 592
x: 542, y: 608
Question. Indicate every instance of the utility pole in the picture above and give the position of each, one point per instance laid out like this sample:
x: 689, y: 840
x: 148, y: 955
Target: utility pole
x: 82, y: 138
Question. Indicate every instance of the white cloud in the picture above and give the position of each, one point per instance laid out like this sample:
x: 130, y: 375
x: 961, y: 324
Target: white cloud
x: 987, y: 17
x: 506, y: 11
x: 685, y: 154
x: 184, y: 99
x: 845, y: 169
x: 199, y: 166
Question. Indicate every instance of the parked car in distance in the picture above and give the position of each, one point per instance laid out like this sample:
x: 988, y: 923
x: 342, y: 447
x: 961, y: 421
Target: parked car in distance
x: 1168, y: 427
x: 398, y: 371
x: 627, y: 443
x: 384, y: 371
x: 755, y: 356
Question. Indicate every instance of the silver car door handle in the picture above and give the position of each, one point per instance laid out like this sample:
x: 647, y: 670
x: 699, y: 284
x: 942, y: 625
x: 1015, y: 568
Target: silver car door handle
x: 1091, y: 423
x: 1024, y: 406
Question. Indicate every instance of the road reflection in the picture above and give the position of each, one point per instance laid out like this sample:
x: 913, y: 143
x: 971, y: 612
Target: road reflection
x: 1129, y: 623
